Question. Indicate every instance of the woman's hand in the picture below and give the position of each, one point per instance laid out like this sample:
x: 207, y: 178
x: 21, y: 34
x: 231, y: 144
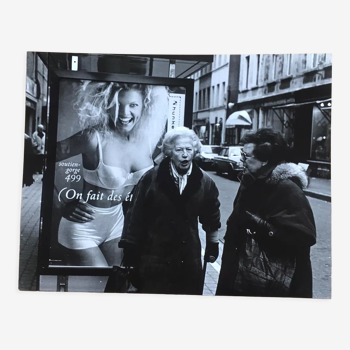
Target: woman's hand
x: 131, y: 254
x: 257, y: 224
x: 211, y: 252
x: 77, y: 211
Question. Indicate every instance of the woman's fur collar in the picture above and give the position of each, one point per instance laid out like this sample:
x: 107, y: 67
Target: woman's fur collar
x: 289, y: 171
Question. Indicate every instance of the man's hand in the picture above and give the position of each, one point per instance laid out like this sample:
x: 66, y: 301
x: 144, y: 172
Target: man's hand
x: 78, y: 212
x: 211, y: 252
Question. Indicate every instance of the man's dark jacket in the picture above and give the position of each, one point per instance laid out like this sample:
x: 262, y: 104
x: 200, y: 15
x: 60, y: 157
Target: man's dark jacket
x: 275, y: 195
x: 164, y: 226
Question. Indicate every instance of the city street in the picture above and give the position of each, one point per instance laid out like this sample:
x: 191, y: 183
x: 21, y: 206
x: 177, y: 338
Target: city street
x: 320, y: 252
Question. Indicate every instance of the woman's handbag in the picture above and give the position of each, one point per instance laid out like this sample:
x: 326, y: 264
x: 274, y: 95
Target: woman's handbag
x: 263, y: 271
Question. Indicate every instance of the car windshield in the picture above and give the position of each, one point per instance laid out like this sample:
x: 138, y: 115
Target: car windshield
x: 211, y: 149
x: 235, y: 151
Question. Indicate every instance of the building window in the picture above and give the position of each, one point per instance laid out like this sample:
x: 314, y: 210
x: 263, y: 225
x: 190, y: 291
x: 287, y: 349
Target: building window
x: 321, y: 133
x: 274, y: 67
x: 247, y: 63
x: 279, y: 60
x: 314, y: 60
x: 257, y: 70
x: 304, y: 61
x: 230, y: 136
x: 196, y: 102
x: 223, y: 94
x: 289, y: 65
x: 322, y: 58
x: 208, y: 94
x: 204, y: 98
x: 266, y: 65
x: 213, y: 96
x: 219, y: 60
x: 200, y: 100
x: 217, y: 94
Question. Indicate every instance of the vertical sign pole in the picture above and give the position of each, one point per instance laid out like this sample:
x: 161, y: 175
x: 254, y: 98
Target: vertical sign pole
x: 172, y: 67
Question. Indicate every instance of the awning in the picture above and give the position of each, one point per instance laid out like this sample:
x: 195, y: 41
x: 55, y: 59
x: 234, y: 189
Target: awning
x: 239, y: 118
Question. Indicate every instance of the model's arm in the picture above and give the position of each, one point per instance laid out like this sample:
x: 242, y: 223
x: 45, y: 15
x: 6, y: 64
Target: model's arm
x: 79, y: 143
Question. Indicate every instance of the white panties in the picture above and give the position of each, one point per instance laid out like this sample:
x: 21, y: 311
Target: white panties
x: 107, y: 225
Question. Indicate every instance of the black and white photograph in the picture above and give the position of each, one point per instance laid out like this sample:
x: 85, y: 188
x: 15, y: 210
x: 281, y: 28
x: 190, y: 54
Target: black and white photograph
x: 177, y: 174
x: 181, y: 183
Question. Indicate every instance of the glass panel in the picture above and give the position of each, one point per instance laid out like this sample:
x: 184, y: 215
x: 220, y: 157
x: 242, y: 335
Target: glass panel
x: 235, y: 152
x: 304, y: 61
x: 289, y: 71
x: 322, y: 58
x: 321, y: 135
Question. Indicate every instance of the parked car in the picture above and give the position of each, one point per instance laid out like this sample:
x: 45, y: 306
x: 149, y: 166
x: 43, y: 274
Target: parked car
x: 229, y: 161
x: 205, y: 158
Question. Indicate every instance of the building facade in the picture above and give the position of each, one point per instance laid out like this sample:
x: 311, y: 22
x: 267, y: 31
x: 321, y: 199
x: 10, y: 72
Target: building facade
x: 215, y: 85
x: 292, y: 94
x: 36, y: 93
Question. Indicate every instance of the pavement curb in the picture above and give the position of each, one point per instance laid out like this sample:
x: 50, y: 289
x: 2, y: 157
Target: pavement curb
x: 318, y: 195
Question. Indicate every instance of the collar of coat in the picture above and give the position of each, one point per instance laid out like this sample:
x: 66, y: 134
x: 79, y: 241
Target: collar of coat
x: 289, y: 171
x: 274, y: 174
x: 167, y: 184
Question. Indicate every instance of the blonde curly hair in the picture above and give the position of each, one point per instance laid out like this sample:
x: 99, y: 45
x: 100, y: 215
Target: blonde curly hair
x: 94, y: 101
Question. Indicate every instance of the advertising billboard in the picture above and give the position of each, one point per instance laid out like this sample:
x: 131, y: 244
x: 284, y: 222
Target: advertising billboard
x: 105, y: 132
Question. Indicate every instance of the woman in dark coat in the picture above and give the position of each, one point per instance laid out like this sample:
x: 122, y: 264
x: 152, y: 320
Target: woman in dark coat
x: 271, y: 211
x: 28, y: 163
x: 160, y: 237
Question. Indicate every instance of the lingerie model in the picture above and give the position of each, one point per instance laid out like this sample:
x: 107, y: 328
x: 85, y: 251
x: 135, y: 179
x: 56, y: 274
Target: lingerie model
x: 108, y: 222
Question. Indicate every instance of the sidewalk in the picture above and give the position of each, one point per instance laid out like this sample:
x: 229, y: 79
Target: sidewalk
x: 319, y: 188
x: 213, y: 270
x: 31, y: 203
x: 30, y: 215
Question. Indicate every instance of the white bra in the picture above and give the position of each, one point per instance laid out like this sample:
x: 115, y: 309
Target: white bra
x: 111, y: 177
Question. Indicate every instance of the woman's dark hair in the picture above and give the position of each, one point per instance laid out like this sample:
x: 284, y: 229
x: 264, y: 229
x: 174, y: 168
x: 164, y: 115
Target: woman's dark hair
x: 270, y: 146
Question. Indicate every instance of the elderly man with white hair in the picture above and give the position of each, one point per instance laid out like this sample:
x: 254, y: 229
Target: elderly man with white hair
x: 38, y: 143
x: 160, y: 237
